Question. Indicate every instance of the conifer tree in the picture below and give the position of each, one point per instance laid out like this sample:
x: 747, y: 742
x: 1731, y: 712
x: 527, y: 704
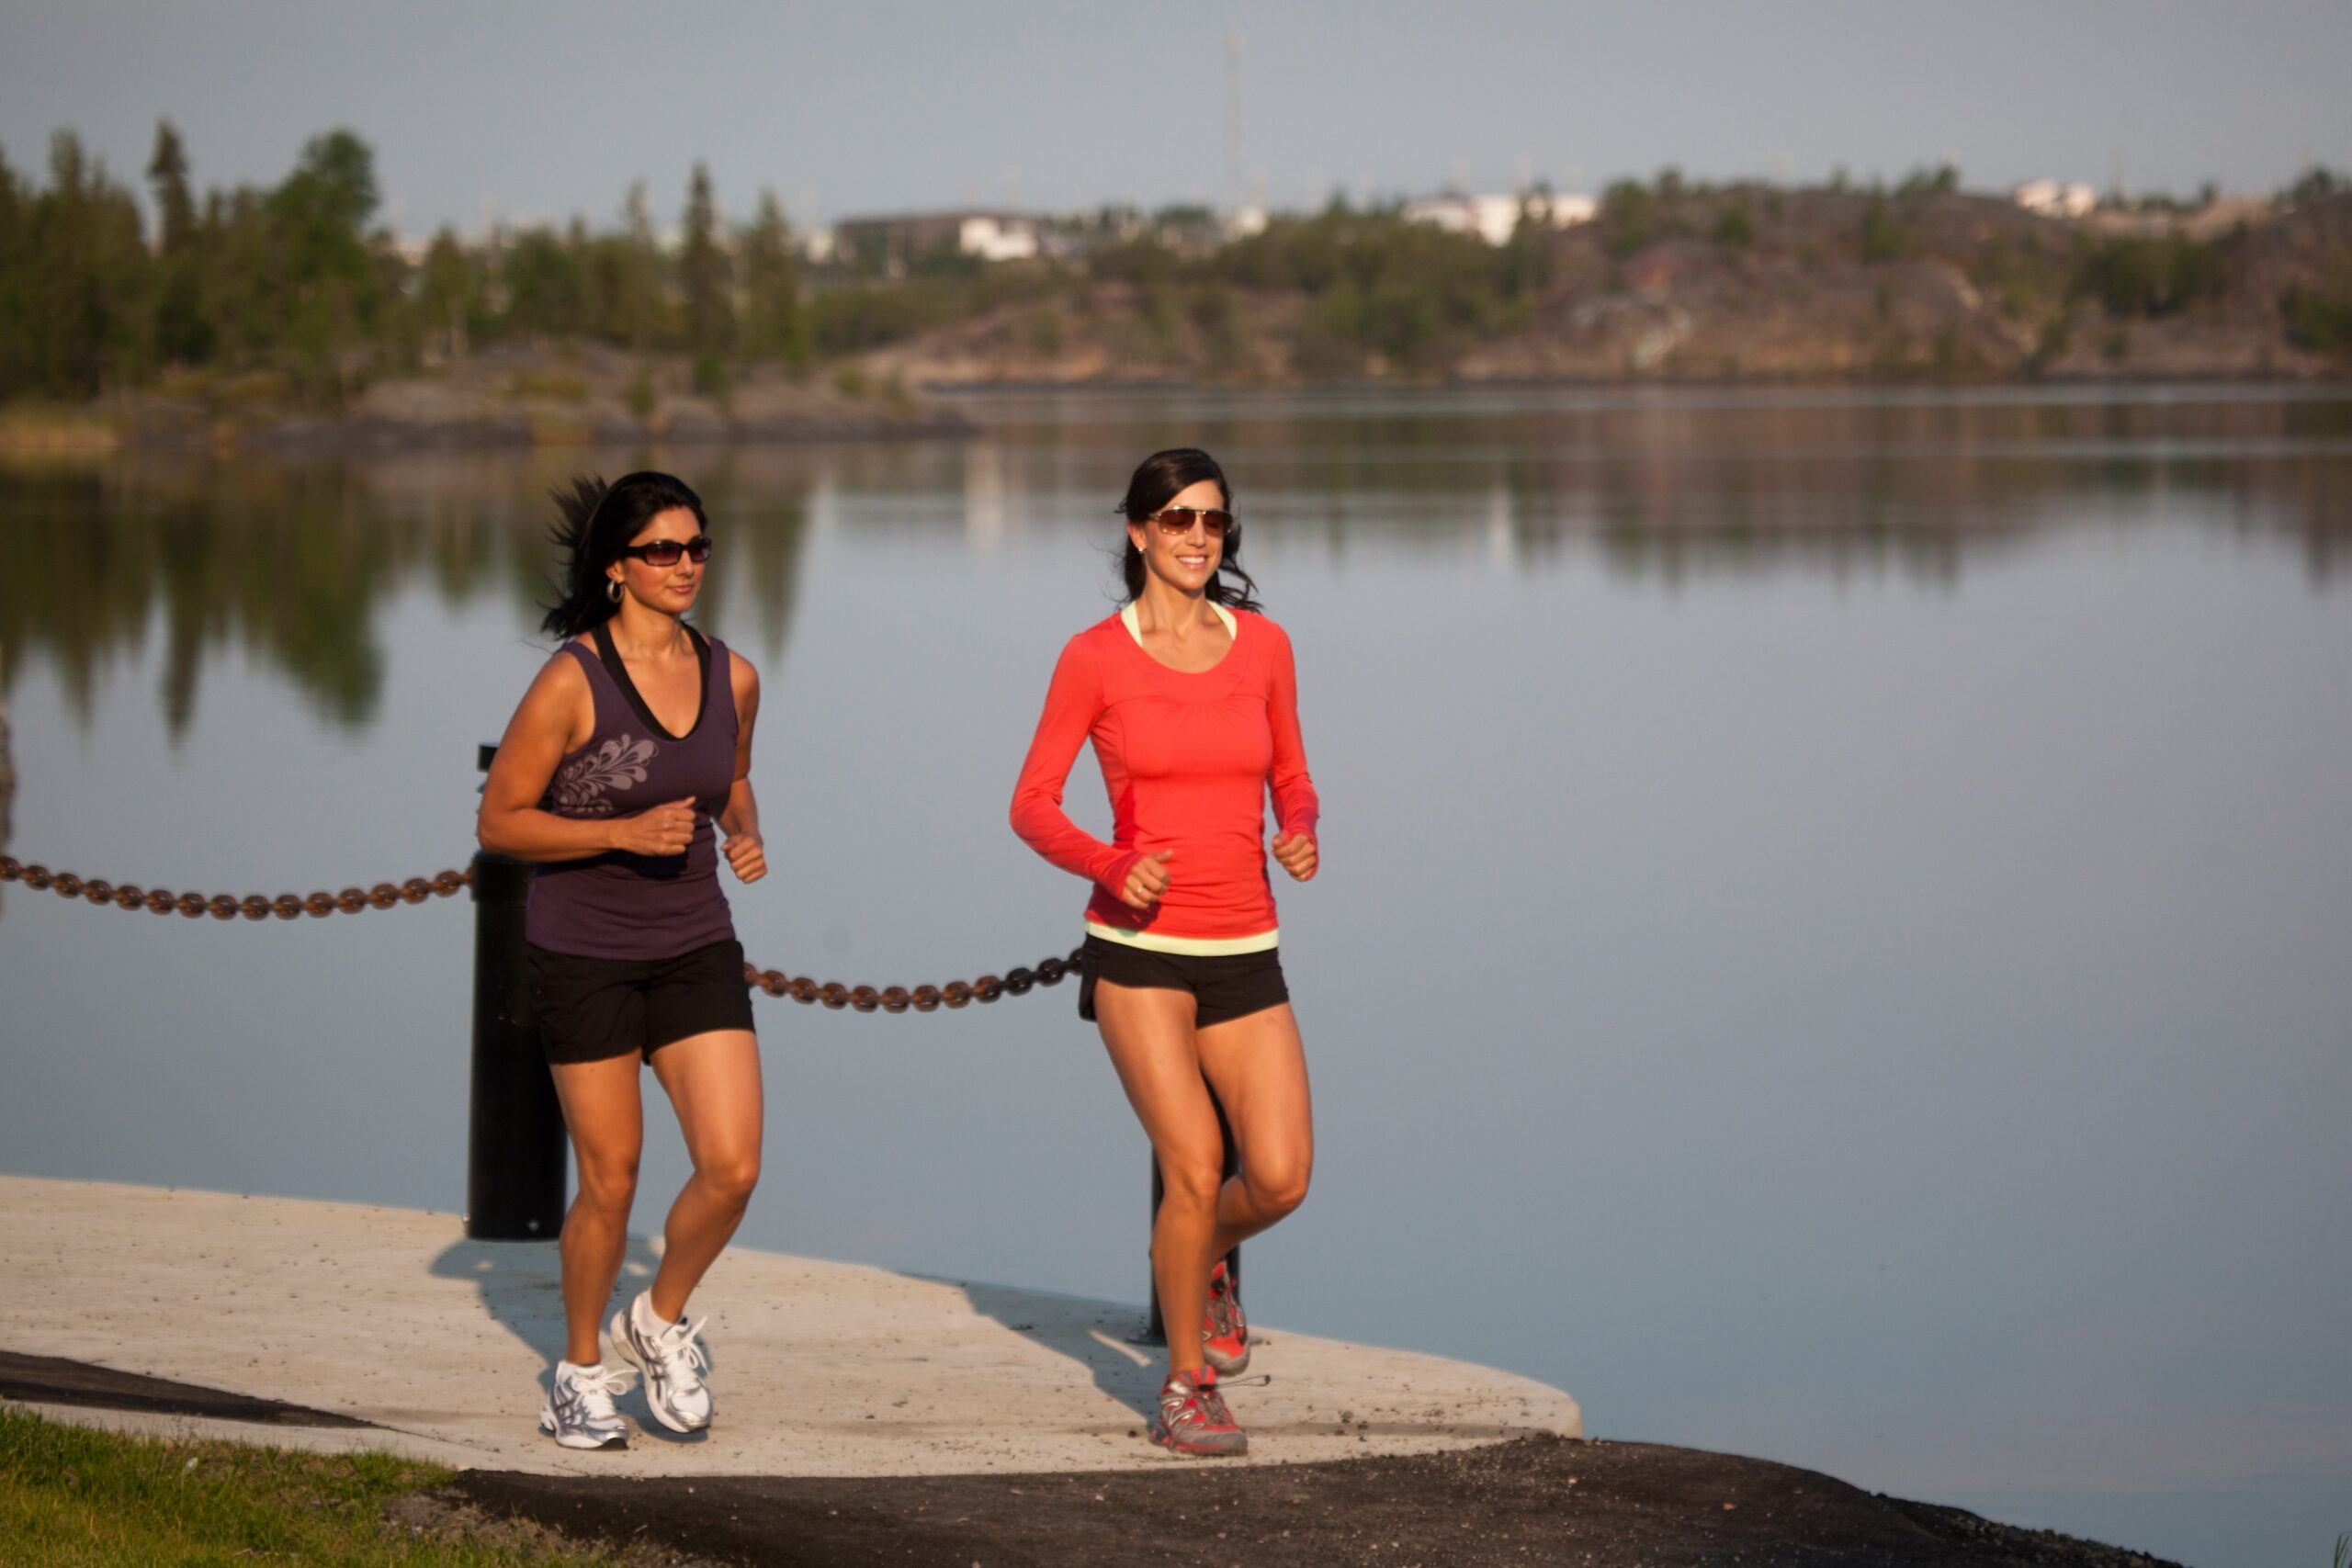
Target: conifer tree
x: 774, y: 325
x: 449, y: 293
x: 702, y: 269
x: 543, y: 283
x: 168, y: 176
x: 18, y: 368
x: 632, y: 287
x: 183, y: 331
x: 90, y: 266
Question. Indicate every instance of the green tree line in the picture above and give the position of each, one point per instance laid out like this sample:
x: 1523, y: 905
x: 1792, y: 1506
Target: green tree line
x: 298, y: 279
x: 1377, y: 286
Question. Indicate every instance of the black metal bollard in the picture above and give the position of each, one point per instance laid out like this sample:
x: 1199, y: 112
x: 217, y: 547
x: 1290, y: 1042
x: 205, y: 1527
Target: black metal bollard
x: 1155, y: 1332
x: 516, y: 1144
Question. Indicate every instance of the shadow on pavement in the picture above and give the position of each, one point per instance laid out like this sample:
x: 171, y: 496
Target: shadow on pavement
x: 49, y: 1380
x: 1095, y: 1337
x: 521, y: 1286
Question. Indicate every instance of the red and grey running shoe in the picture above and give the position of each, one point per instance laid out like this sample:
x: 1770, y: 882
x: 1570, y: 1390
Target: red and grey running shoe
x: 1193, y: 1419
x: 1225, y: 1335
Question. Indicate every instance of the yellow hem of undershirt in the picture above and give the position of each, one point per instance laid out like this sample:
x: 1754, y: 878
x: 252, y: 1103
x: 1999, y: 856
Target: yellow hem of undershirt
x: 1187, y: 946
x: 1133, y: 623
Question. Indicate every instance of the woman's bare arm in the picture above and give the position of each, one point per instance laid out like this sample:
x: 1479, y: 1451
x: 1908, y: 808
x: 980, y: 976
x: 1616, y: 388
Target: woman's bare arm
x: 746, y: 852
x: 555, y: 715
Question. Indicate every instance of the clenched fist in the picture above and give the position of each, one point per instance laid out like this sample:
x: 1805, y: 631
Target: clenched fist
x: 1146, y: 880
x: 660, y: 831
x: 748, y: 855
x: 1297, y: 854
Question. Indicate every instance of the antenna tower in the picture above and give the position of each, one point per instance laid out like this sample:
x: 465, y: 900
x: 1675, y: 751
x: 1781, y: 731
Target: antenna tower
x: 1232, y: 121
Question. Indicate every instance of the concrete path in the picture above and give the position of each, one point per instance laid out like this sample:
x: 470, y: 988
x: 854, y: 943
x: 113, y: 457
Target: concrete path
x: 392, y: 1317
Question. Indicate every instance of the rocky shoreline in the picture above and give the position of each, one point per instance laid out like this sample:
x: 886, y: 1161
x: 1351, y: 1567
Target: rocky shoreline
x: 1541, y: 1501
x: 396, y: 422
x: 513, y: 398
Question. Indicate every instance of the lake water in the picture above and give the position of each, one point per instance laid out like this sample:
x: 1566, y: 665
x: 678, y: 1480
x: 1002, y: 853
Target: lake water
x: 1834, y: 939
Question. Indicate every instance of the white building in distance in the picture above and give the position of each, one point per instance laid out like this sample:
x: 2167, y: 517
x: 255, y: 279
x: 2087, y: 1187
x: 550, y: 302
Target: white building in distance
x: 990, y: 236
x: 2054, y: 200
x: 997, y: 236
x: 1494, y: 218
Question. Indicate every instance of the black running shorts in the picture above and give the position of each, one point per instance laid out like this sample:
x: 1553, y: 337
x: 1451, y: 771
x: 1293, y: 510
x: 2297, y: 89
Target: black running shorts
x: 1224, y: 987
x: 593, y: 1008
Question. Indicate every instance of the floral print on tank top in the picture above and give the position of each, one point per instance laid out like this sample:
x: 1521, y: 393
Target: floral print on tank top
x: 620, y: 764
x: 624, y: 905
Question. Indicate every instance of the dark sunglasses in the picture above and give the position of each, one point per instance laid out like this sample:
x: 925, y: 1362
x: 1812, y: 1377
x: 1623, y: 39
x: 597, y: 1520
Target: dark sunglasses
x: 1179, y: 520
x: 665, y: 552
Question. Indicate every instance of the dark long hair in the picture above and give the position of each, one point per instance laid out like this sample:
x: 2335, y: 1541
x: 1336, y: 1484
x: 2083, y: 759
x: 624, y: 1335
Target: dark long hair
x: 594, y: 521
x: 1158, y: 480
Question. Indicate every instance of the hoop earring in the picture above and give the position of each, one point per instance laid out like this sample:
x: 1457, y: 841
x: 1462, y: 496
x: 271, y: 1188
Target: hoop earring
x: 612, y: 589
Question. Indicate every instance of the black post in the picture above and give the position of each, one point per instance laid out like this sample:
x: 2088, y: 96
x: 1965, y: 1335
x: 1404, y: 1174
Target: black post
x: 514, y: 1147
x: 1155, y: 1332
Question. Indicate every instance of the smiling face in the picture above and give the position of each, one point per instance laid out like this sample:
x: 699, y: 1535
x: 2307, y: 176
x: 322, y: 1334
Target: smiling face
x: 1185, y: 561
x: 670, y: 589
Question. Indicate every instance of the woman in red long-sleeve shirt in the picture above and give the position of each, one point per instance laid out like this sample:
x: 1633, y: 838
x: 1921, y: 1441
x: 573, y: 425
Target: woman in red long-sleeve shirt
x: 1191, y: 702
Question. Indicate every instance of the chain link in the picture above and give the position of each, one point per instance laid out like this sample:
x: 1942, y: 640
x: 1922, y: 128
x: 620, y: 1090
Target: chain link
x: 1016, y: 982
x: 228, y: 905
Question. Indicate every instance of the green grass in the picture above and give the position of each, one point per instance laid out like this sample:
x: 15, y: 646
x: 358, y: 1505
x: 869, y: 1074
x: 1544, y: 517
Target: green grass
x: 73, y: 1496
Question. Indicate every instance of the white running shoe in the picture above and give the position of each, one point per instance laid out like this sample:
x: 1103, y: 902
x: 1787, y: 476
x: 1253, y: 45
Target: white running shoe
x: 672, y: 1363
x: 579, y: 1413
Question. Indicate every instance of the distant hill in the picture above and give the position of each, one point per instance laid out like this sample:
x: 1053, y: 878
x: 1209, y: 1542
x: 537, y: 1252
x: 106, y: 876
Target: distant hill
x: 283, y: 315
x: 1732, y: 284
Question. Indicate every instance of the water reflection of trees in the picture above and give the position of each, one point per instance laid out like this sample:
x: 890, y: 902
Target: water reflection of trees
x: 1675, y: 485
x: 292, y: 562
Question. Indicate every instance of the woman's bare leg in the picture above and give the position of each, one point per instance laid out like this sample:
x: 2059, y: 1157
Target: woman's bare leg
x: 1148, y: 1033
x: 601, y: 1112
x: 713, y: 1080
x: 1257, y: 1065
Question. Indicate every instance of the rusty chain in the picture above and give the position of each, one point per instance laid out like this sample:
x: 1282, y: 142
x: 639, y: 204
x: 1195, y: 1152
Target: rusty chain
x: 228, y: 905
x: 1017, y: 981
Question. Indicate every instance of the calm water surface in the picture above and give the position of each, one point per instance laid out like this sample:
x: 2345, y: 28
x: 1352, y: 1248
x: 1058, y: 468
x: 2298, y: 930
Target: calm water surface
x: 1833, y: 941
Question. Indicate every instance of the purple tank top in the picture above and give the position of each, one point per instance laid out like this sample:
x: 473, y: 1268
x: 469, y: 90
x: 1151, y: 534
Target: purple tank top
x: 618, y: 904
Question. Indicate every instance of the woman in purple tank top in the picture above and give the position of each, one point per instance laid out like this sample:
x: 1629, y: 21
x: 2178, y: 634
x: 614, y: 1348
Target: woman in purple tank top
x: 634, y: 741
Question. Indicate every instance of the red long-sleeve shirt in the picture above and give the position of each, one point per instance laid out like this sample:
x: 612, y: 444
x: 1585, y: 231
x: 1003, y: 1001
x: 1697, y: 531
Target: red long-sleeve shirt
x: 1187, y: 760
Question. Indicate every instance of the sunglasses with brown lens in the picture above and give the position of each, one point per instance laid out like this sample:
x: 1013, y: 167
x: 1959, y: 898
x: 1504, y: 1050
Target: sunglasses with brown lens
x: 665, y: 552
x: 1173, y: 520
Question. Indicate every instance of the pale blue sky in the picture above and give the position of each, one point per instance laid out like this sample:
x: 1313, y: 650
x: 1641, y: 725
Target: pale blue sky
x: 533, y: 108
